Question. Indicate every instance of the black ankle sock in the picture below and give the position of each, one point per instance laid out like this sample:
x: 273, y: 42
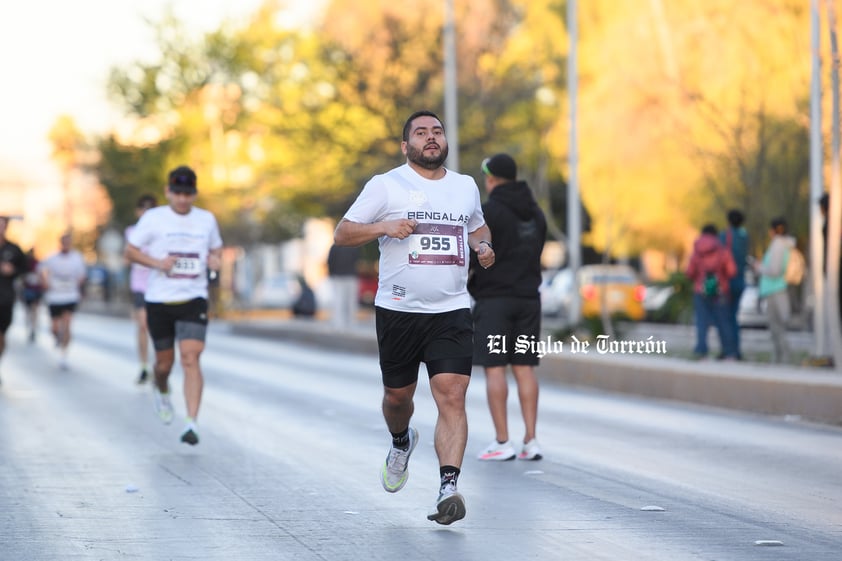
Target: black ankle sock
x: 449, y: 474
x: 401, y: 439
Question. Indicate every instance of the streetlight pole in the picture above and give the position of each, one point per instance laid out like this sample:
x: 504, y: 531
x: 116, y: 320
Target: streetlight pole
x: 834, y: 211
x: 451, y: 101
x: 574, y: 215
x: 817, y: 245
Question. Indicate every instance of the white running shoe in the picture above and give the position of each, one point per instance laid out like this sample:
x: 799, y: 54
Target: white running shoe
x: 531, y: 451
x: 190, y: 434
x: 163, y: 406
x: 450, y: 506
x: 497, y: 452
x: 395, y: 470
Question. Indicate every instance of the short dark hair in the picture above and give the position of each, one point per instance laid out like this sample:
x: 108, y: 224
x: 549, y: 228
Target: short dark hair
x: 736, y: 217
x: 423, y: 113
x: 709, y: 229
x: 146, y: 201
x: 778, y: 224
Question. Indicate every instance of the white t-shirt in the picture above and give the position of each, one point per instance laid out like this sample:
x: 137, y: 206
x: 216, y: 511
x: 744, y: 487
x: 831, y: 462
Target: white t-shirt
x: 161, y: 232
x: 428, y: 271
x: 65, y: 272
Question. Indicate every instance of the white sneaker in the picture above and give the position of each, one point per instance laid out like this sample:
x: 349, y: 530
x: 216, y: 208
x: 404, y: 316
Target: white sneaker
x: 498, y: 452
x: 163, y: 406
x: 395, y: 470
x: 191, y: 434
x: 450, y: 506
x: 530, y: 451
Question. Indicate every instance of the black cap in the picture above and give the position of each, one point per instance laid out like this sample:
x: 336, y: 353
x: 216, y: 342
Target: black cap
x: 182, y: 180
x: 500, y: 165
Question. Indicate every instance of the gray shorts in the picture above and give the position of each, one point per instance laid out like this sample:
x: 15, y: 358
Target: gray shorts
x: 171, y: 322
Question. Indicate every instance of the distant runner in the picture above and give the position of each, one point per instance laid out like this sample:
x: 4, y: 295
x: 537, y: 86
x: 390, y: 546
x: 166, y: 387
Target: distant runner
x: 12, y: 264
x: 63, y: 274
x: 138, y: 277
x: 182, y: 243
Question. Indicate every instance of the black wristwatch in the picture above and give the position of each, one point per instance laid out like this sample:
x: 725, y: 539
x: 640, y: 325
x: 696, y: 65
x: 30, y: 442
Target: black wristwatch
x: 486, y: 242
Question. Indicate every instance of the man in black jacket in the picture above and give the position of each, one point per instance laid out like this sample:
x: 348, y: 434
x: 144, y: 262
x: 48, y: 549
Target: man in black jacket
x: 508, y: 304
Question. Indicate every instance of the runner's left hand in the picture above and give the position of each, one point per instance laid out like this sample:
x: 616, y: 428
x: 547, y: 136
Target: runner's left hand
x: 485, y: 256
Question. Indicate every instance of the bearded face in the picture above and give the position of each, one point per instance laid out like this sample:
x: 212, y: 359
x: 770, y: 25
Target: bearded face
x: 427, y: 145
x: 429, y: 157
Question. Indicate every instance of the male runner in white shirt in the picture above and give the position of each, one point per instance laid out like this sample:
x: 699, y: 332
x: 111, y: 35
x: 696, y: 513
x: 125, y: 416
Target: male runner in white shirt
x: 63, y: 274
x: 181, y: 243
x: 426, y: 218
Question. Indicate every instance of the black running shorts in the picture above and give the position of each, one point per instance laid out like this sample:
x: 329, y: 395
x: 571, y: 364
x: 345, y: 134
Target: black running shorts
x: 6, y: 315
x: 442, y: 341
x: 57, y: 310
x: 168, y: 322
x: 501, y: 321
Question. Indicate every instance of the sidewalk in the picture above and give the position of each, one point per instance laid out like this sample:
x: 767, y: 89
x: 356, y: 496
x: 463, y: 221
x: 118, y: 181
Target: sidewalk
x: 809, y: 393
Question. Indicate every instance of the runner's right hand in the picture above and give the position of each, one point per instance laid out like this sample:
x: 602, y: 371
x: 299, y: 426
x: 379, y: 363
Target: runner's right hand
x: 401, y: 228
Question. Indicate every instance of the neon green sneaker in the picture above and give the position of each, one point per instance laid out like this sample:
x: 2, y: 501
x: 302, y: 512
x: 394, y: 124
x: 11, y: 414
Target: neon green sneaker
x: 395, y: 470
x: 163, y: 406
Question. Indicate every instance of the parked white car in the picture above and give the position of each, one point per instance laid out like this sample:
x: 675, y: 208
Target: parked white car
x: 279, y: 291
x: 556, y: 290
x: 752, y: 310
x: 655, y: 297
x: 750, y: 313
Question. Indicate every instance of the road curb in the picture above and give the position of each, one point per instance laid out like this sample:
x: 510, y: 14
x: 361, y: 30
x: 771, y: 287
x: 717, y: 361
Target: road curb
x: 810, y: 393
x: 311, y: 334
x: 767, y: 389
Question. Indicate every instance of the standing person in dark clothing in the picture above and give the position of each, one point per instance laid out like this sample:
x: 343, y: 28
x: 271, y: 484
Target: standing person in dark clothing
x: 508, y: 304
x: 12, y: 264
x: 735, y: 239
x: 824, y: 202
x: 342, y: 270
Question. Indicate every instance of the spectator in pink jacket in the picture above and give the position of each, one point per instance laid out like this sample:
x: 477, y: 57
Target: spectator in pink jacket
x: 710, y: 269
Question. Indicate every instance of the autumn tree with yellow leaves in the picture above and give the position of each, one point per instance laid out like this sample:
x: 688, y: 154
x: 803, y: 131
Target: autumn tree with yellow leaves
x: 686, y: 109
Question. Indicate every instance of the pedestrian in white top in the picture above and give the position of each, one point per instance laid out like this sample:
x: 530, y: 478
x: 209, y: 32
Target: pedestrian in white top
x: 181, y: 243
x: 426, y: 218
x: 63, y: 275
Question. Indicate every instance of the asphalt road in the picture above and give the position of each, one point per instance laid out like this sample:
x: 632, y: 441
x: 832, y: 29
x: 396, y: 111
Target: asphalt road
x: 292, y: 441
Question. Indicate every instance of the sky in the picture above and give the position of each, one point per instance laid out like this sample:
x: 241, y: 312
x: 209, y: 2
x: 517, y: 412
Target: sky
x: 55, y: 56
